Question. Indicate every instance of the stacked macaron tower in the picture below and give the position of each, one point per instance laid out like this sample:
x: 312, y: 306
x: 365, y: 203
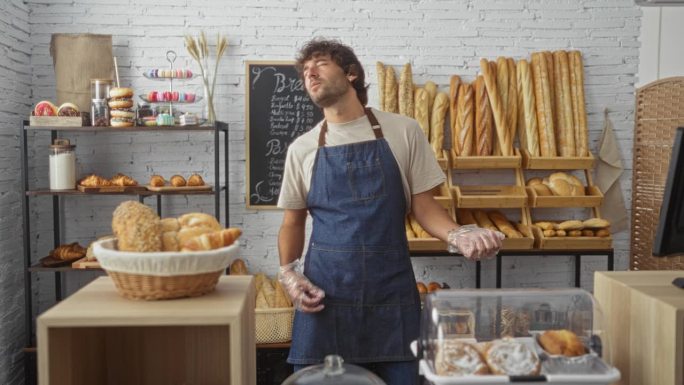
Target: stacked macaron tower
x: 120, y: 104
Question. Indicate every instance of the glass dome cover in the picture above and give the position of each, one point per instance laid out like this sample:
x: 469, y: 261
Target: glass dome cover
x: 333, y: 371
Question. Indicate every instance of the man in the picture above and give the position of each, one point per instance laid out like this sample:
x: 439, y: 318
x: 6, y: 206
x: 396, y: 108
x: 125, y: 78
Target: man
x: 358, y: 173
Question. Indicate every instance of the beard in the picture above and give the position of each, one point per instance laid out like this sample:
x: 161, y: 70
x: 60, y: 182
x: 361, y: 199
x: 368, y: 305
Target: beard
x: 329, y: 94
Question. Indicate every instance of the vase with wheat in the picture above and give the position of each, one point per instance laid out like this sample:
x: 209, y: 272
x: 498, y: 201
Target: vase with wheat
x: 199, y: 50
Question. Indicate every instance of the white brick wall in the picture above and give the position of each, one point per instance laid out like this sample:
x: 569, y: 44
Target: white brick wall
x: 15, y: 88
x: 440, y: 38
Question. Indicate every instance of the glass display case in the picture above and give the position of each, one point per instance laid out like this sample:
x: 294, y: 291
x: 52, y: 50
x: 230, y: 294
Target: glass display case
x: 525, y: 335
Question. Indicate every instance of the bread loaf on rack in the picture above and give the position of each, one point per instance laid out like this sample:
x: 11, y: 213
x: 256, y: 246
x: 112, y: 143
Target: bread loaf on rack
x: 439, y: 110
x: 503, y: 135
x: 577, y: 97
x: 566, y: 133
x: 548, y: 56
x: 543, y: 96
x: 391, y: 90
x: 454, y: 84
x: 406, y: 91
x: 512, y: 104
x: 484, y: 121
x: 504, y: 225
x: 527, y: 106
x: 431, y: 89
x: 465, y: 115
x: 421, y: 105
x: 380, y: 69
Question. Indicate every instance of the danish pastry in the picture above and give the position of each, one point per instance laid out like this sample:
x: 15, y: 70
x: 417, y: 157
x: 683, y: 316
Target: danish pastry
x: 513, y: 358
x: 93, y: 180
x: 137, y: 227
x: 561, y: 342
x: 123, y: 180
x: 456, y: 358
x: 195, y: 180
x: 178, y: 181
x: 157, y: 181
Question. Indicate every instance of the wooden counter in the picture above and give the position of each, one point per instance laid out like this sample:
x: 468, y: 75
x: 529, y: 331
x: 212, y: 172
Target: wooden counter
x: 98, y: 337
x: 644, y: 316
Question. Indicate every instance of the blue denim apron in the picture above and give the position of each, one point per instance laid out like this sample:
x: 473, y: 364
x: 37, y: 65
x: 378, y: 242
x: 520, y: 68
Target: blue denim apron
x: 358, y: 254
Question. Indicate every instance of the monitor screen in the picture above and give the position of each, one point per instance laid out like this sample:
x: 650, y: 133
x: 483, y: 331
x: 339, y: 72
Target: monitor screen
x: 669, y: 237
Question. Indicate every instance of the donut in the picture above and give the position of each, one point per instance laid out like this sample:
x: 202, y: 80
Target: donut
x: 120, y: 92
x: 45, y: 108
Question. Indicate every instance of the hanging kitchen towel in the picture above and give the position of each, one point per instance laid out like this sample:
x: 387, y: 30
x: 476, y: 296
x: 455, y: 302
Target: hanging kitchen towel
x: 608, y: 170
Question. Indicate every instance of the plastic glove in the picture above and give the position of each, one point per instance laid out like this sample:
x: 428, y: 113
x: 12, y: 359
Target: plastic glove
x: 474, y: 242
x: 305, y: 295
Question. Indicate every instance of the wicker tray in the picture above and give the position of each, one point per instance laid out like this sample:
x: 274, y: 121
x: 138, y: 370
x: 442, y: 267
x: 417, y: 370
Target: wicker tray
x: 273, y: 325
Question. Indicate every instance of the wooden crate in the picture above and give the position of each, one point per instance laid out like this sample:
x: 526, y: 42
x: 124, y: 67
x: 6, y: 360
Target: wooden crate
x: 443, y: 161
x: 427, y: 244
x: 55, y: 121
x: 442, y: 194
x: 490, y: 196
x: 574, y: 243
x: 487, y: 162
x: 524, y: 243
x: 556, y: 162
x: 593, y: 198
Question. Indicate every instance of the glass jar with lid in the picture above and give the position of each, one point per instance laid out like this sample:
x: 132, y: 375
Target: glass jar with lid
x: 99, y: 88
x: 62, y: 165
x: 333, y: 371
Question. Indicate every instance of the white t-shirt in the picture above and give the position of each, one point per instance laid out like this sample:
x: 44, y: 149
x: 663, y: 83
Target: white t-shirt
x: 419, y: 169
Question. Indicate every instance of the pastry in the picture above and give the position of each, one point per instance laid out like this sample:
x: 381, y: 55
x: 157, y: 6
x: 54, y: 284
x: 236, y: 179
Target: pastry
x: 456, y: 358
x: 123, y: 180
x: 93, y: 180
x: 238, y: 267
x: 178, y: 181
x: 195, y: 180
x: 157, y: 181
x: 213, y: 240
x: 137, y: 227
x: 433, y: 287
x: 422, y: 289
x: 510, y: 357
x: 67, y: 252
x: 561, y: 342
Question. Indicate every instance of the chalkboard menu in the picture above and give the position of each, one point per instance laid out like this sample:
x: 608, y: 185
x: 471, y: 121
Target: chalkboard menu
x: 278, y: 111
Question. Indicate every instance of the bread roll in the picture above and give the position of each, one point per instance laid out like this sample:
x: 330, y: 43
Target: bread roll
x: 575, y: 233
x: 543, y: 97
x: 465, y: 217
x: 484, y: 121
x: 465, y: 116
x: 238, y: 267
x: 483, y: 220
x: 454, y: 84
x: 406, y: 91
x: 178, y: 181
x: 391, y: 90
x: 561, y: 233
x: 157, y: 181
x: 512, y: 104
x: 504, y: 225
x: 380, y: 69
x: 588, y: 233
x: 503, y: 135
x: 566, y: 133
x: 577, y: 96
x: 528, y: 121
x: 421, y: 103
x: 437, y: 121
x: 571, y: 225
x: 603, y: 233
x: 549, y: 233
x: 596, y: 223
x: 195, y: 180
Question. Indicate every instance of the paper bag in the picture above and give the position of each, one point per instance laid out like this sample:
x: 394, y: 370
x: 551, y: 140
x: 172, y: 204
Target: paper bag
x: 77, y: 58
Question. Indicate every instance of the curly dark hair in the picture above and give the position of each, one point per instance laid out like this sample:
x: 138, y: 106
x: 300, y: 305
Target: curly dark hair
x: 342, y: 55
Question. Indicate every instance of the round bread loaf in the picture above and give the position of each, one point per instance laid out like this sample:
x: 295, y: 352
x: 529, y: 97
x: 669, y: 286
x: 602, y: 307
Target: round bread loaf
x: 137, y: 227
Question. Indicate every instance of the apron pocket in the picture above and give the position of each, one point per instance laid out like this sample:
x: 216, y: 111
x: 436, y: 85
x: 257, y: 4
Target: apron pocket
x: 366, y: 179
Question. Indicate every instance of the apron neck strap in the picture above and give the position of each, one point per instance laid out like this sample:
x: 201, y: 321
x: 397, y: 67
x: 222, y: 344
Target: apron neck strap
x: 377, y: 130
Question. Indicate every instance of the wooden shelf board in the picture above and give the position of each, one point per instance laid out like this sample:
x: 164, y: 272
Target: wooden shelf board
x: 142, y: 192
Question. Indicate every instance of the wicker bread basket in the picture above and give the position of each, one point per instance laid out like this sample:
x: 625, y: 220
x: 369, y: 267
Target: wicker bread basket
x: 163, y: 275
x: 274, y: 325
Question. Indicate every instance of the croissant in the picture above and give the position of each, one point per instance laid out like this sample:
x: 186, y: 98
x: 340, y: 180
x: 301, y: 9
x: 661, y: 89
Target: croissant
x: 195, y: 180
x: 198, y: 220
x: 123, y: 180
x: 70, y: 251
x: 157, y: 181
x: 178, y: 181
x: 93, y: 180
x: 210, y: 241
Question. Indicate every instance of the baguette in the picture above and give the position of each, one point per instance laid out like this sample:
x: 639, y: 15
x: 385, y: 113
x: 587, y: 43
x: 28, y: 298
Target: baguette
x: 483, y: 220
x: 463, y: 130
x: 465, y: 217
x: 439, y: 110
x: 571, y: 225
x: 417, y: 228
x: 409, y: 230
x: 524, y: 230
x: 421, y: 104
x: 577, y: 95
x: 454, y: 84
x: 528, y: 122
x: 391, y: 93
x: 213, y: 240
x: 542, y: 93
x: 496, y: 149
x: 502, y: 133
x: 565, y: 130
x: 431, y: 89
x: 380, y: 69
x: 502, y: 80
x: 484, y: 123
x: 512, y: 108
x: 406, y: 91
x: 548, y: 56
x: 504, y: 225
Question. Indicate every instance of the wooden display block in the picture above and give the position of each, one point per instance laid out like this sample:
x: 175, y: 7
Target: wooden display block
x: 85, y: 264
x: 574, y: 243
x: 95, y: 336
x: 557, y: 162
x: 490, y: 196
x: 55, y: 121
x: 487, y: 162
x: 593, y: 198
x: 643, y: 316
x: 427, y: 244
